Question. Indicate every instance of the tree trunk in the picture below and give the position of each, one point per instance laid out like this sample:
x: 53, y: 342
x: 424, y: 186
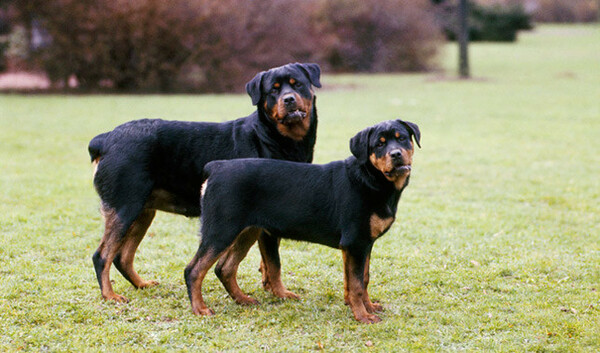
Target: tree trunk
x: 463, y: 39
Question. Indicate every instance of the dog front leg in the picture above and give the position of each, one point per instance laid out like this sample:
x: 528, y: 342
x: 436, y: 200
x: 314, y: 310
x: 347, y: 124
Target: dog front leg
x: 369, y: 305
x: 355, y: 292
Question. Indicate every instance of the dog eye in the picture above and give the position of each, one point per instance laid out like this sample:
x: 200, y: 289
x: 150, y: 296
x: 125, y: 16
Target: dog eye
x: 298, y: 84
x: 379, y: 144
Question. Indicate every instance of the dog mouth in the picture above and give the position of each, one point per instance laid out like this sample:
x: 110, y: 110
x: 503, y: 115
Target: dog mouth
x: 292, y: 117
x: 398, y: 171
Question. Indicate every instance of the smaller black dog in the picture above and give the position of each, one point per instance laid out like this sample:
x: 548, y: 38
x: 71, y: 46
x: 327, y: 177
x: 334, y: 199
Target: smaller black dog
x: 344, y: 204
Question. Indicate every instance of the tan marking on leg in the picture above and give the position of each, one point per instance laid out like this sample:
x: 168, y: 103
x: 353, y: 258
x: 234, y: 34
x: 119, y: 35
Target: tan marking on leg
x: 108, y: 249
x: 227, y: 266
x: 264, y: 275
x: 131, y: 241
x: 271, y: 276
x: 369, y: 305
x: 379, y: 225
x: 199, y: 268
x: 356, y: 291
x: 346, y: 276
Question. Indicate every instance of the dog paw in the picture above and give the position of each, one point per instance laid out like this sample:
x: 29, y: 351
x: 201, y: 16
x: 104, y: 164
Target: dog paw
x: 368, y: 319
x: 373, y: 307
x: 148, y: 284
x: 116, y: 298
x: 286, y: 294
x: 205, y: 311
x: 246, y: 300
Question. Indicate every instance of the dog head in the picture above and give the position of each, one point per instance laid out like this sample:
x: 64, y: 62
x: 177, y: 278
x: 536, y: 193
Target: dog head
x: 388, y: 149
x: 286, y: 96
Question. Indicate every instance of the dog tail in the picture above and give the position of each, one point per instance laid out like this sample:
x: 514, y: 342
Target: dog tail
x: 96, y: 146
x: 208, y: 169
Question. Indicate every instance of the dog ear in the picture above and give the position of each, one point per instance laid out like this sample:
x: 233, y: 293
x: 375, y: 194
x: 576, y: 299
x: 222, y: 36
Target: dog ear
x: 254, y: 88
x: 313, y: 72
x: 413, y: 129
x: 359, y: 145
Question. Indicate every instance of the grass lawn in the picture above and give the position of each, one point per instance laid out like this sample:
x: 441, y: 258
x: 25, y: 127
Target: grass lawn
x: 496, y: 246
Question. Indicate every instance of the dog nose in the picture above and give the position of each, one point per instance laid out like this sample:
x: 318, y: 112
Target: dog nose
x: 396, y: 154
x: 289, y: 100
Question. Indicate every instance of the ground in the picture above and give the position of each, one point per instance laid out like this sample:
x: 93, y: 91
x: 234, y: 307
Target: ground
x: 496, y: 246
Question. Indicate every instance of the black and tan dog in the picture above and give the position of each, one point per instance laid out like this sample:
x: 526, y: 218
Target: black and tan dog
x: 148, y: 165
x: 344, y: 204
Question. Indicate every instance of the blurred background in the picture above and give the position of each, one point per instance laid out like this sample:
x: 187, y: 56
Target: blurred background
x: 218, y: 45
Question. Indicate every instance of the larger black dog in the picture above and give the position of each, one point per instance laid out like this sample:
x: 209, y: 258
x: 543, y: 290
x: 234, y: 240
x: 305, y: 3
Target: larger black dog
x: 345, y: 204
x: 148, y: 165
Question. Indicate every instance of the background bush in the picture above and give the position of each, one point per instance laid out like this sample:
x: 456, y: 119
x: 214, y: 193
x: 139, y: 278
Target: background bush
x: 566, y: 11
x: 496, y: 22
x: 379, y: 35
x: 553, y: 10
x: 218, y: 45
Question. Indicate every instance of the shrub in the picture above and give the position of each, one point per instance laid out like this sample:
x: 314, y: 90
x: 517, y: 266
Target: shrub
x: 379, y: 35
x: 566, y: 11
x: 133, y: 44
x: 240, y: 38
x: 218, y: 45
x: 155, y: 45
x: 495, y: 22
x: 498, y: 23
x: 553, y: 10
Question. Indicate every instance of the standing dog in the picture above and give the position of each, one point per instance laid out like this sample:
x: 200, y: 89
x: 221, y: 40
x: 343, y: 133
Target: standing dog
x: 345, y: 204
x: 148, y: 165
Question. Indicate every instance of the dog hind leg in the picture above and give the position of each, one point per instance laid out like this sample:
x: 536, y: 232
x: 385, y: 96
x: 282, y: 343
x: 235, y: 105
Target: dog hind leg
x: 123, y: 260
x: 117, y: 224
x: 106, y: 252
x: 212, y: 245
x: 226, y: 269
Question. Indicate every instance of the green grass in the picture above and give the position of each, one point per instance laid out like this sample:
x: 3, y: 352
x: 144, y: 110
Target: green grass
x: 496, y: 246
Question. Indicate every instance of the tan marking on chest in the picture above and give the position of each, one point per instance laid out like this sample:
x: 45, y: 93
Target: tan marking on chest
x: 400, y: 181
x: 379, y: 225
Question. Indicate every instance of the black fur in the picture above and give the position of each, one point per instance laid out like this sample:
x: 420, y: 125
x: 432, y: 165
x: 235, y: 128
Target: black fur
x: 158, y: 164
x: 329, y: 204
